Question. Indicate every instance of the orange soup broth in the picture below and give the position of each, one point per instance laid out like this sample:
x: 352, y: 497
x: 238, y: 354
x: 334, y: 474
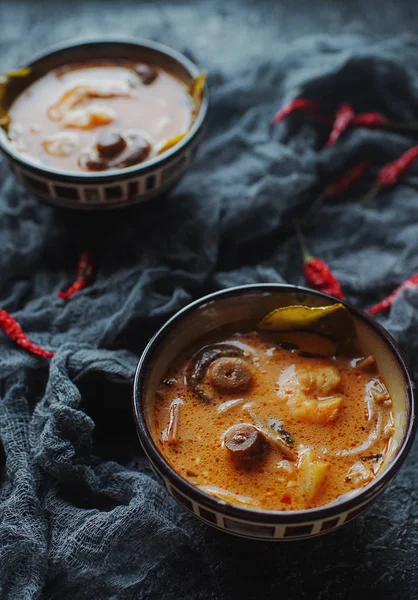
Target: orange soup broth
x: 162, y: 110
x: 200, y: 457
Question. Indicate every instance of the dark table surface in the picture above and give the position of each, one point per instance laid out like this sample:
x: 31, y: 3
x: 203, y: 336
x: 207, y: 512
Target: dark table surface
x: 382, y: 557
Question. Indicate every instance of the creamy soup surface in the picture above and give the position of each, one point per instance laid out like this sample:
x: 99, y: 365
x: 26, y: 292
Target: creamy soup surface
x: 99, y: 115
x: 260, y: 425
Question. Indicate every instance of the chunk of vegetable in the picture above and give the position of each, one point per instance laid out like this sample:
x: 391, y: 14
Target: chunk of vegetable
x: 313, y: 473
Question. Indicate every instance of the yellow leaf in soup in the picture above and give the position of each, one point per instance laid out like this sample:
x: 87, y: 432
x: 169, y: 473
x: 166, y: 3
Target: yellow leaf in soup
x: 313, y: 473
x: 17, y: 73
x: 196, y: 89
x: 171, y: 142
x: 291, y: 318
x: 333, y: 321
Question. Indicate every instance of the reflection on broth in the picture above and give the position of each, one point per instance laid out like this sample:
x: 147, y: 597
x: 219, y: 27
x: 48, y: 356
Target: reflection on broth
x: 101, y: 115
x: 254, y: 420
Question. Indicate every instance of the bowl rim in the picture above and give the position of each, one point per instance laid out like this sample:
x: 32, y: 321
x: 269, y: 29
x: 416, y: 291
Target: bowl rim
x: 262, y: 515
x: 111, y: 174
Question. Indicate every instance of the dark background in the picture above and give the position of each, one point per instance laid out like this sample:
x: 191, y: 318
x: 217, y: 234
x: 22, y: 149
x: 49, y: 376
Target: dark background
x: 376, y: 556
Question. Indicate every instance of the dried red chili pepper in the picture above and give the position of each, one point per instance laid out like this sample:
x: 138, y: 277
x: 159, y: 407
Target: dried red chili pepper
x: 370, y: 120
x: 311, y: 107
x: 392, y: 172
x: 387, y: 302
x: 13, y: 330
x: 317, y: 272
x: 341, y: 184
x: 374, y: 120
x: 85, y: 275
x: 343, y: 119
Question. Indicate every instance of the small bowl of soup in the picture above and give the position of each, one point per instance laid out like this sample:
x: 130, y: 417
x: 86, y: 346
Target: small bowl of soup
x: 274, y: 412
x: 102, y: 124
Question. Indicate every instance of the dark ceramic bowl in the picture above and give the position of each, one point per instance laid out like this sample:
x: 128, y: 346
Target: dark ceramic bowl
x: 251, y: 303
x: 115, y: 188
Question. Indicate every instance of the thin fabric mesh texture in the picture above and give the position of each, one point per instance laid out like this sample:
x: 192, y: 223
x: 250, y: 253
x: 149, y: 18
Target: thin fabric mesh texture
x: 81, y: 514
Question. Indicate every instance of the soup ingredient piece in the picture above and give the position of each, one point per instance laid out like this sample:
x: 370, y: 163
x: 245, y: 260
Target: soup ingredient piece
x: 146, y: 73
x: 230, y: 374
x: 279, y: 428
x: 375, y: 457
x: 4, y: 80
x: 88, y: 118
x: 305, y: 105
x: 392, y: 172
x: 368, y: 363
x: 343, y: 119
x: 278, y: 442
x: 170, y: 433
x: 244, y: 441
x: 318, y: 412
x: 225, y: 406
x: 307, y: 392
x: 110, y: 144
x: 319, y: 379
x: 316, y: 270
x: 359, y: 474
x: 81, y: 94
x: 378, y: 390
x: 228, y: 496
x: 308, y: 342
x: 85, y: 275
x: 312, y: 474
x: 171, y: 142
x: 91, y: 162
x: 13, y: 330
x: 197, y: 87
x: 199, y: 364
x: 61, y: 144
x: 387, y: 302
x: 285, y: 465
x: 297, y: 317
x: 136, y: 152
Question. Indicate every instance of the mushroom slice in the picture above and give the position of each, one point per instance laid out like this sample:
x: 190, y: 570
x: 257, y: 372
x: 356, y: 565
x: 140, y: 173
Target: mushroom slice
x: 110, y: 144
x: 244, y: 441
x: 230, y: 373
x: 199, y: 364
x: 368, y: 363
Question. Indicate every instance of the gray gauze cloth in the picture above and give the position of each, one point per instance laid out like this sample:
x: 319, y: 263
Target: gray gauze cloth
x: 81, y: 514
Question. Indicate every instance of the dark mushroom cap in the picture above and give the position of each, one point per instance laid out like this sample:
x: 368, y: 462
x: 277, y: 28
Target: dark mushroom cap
x: 110, y: 144
x: 230, y: 374
x: 146, y: 73
x: 244, y: 441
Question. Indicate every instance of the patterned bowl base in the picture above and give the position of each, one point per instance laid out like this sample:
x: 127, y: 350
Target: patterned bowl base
x: 265, y: 531
x: 111, y: 195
